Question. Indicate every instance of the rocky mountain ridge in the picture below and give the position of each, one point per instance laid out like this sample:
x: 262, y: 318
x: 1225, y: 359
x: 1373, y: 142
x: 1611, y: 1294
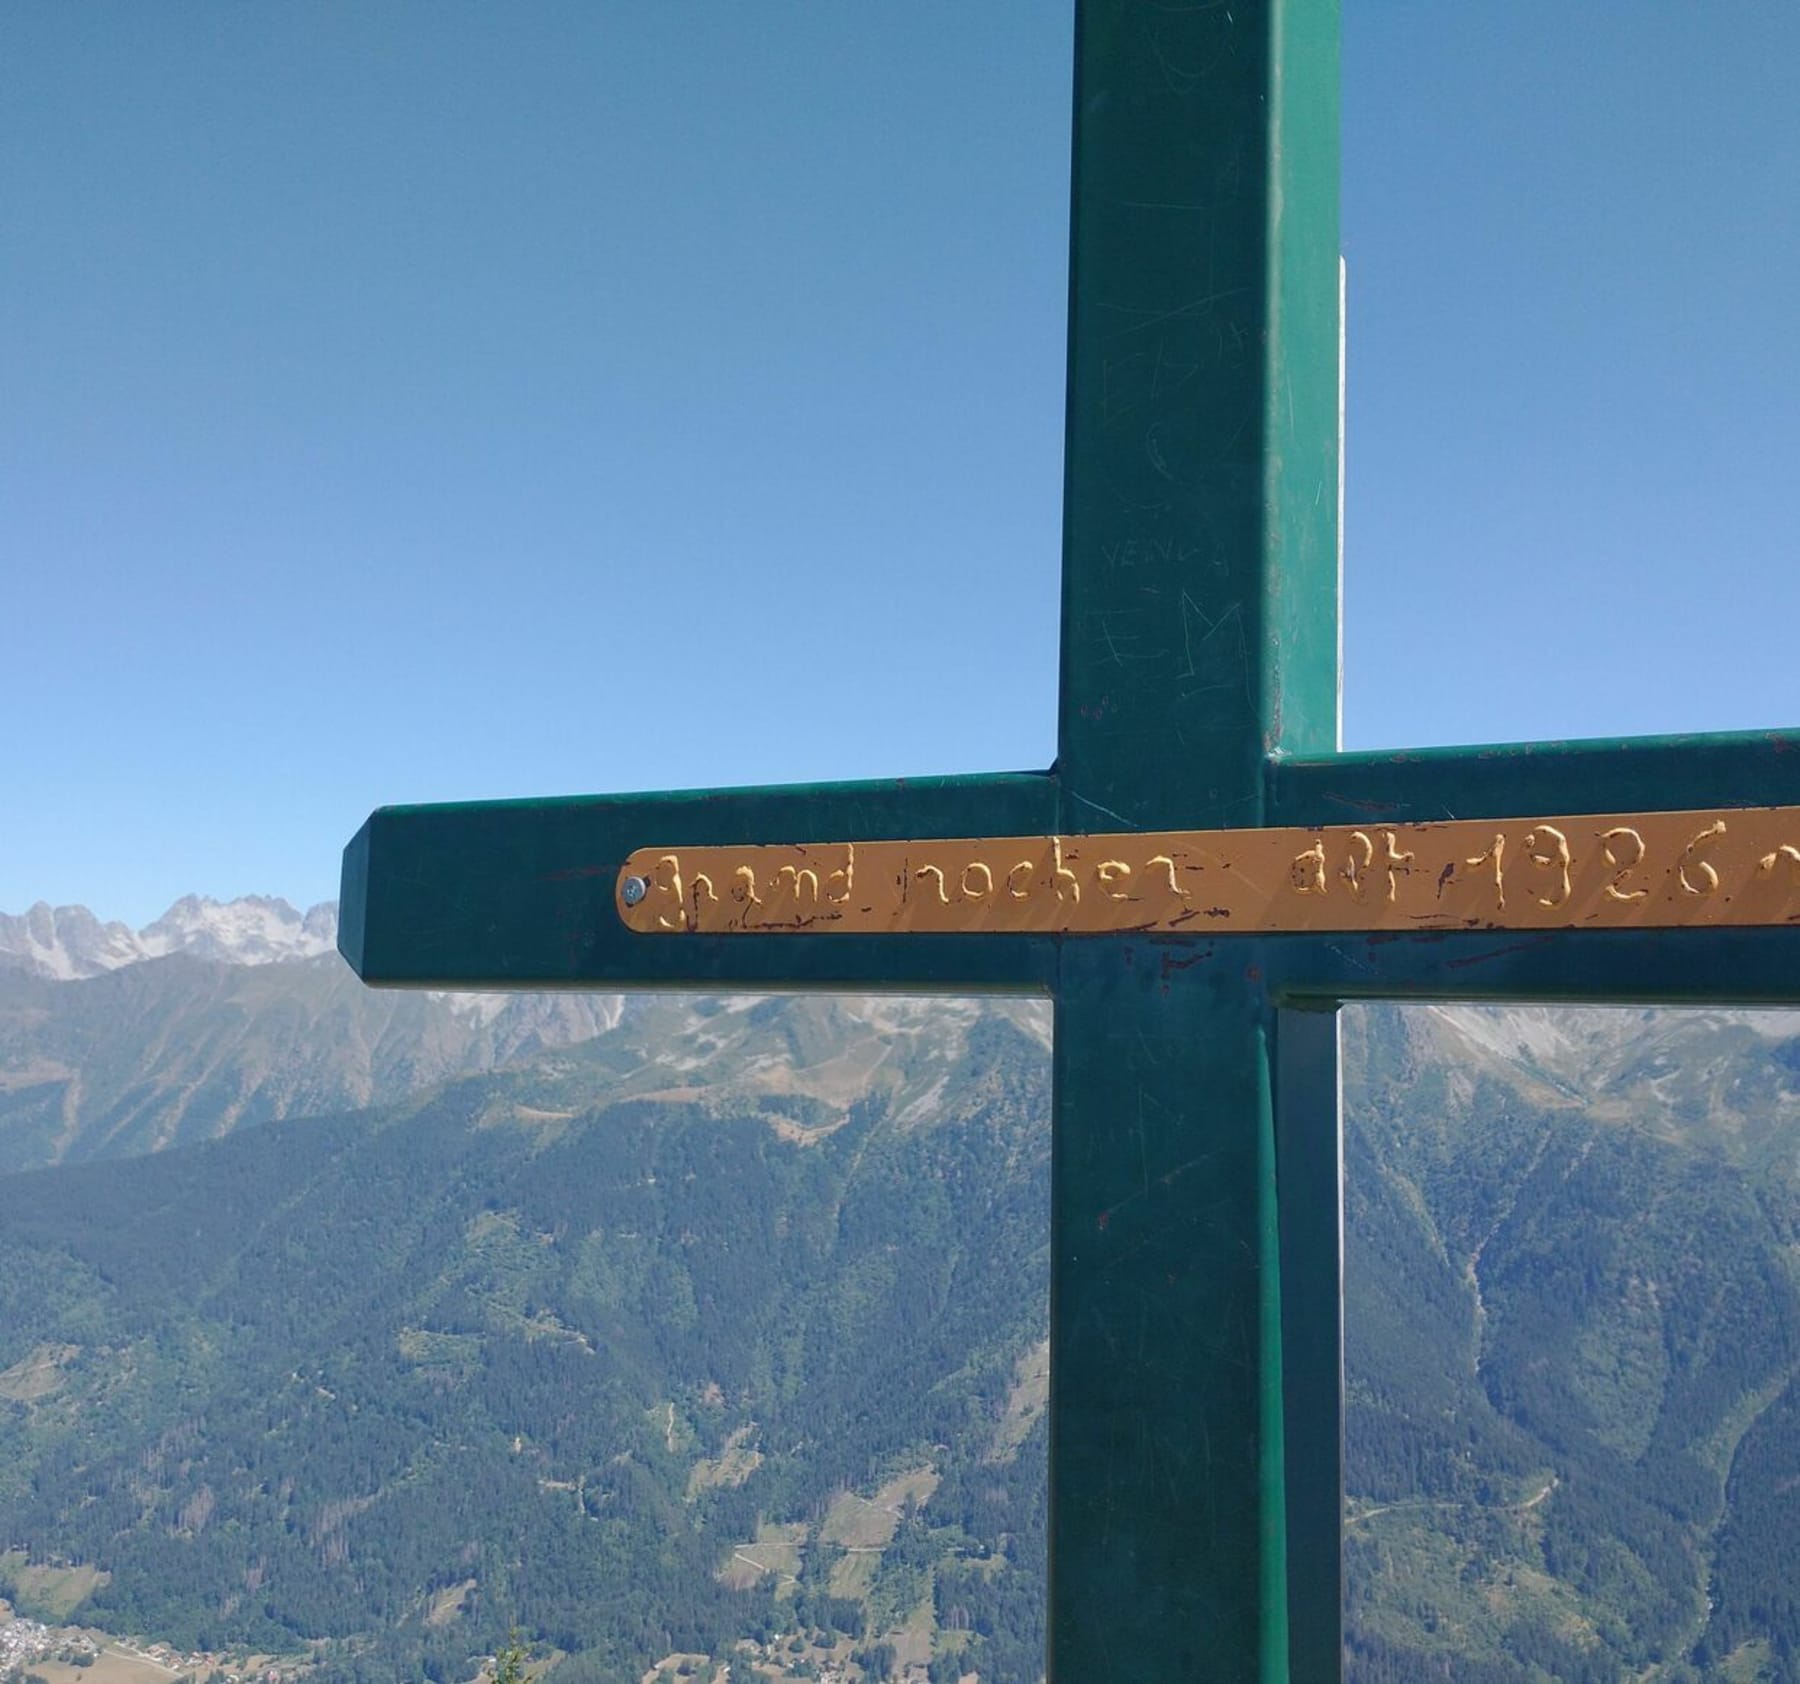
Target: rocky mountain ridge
x: 164, y: 1051
x: 67, y: 943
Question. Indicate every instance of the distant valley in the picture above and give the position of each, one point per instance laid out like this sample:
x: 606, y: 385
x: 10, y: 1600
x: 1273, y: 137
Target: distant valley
x: 710, y: 1334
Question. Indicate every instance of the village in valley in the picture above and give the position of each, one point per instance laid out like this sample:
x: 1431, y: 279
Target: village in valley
x: 31, y: 1650
x: 23, y: 1643
x: 61, y: 1654
x: 34, y: 1652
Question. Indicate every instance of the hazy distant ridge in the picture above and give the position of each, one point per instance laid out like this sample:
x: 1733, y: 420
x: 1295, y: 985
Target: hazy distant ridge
x: 67, y: 943
x: 247, y: 1015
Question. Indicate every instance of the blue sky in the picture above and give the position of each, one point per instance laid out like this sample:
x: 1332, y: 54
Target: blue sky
x: 423, y: 401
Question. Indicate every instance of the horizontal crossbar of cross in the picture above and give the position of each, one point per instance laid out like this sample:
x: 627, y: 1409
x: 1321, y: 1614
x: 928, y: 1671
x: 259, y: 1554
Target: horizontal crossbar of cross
x: 519, y: 894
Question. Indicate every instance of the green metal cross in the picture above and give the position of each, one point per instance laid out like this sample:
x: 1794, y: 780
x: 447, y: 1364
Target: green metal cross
x: 1195, y: 1463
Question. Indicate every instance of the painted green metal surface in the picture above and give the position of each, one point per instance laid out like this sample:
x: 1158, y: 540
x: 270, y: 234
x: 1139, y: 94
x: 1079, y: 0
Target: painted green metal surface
x: 1199, y: 637
x: 1309, y: 1168
x: 519, y: 894
x: 1196, y: 1454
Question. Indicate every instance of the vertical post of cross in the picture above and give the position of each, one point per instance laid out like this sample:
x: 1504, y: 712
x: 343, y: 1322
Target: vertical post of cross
x: 1199, y: 643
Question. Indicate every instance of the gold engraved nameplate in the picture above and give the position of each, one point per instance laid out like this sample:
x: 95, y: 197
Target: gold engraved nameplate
x: 1733, y: 866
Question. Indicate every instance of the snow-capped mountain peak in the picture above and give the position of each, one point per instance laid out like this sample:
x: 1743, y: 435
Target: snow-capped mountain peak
x: 67, y: 942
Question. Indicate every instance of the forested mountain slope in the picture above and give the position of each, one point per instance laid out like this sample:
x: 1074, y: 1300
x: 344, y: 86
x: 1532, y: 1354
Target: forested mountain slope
x: 1574, y: 1334
x: 726, y: 1325
x: 607, y: 1359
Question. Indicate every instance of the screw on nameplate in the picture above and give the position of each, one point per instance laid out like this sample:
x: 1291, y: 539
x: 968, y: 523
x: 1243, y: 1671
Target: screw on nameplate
x: 1735, y: 866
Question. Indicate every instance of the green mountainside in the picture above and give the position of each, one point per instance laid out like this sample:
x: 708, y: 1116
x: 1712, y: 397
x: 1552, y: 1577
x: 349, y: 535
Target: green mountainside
x: 586, y: 1347
x: 1573, y: 1311
x: 726, y: 1325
